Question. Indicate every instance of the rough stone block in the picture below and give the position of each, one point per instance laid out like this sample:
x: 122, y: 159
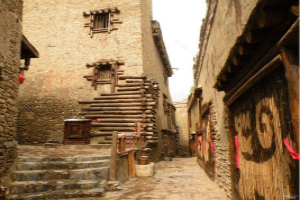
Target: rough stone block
x: 145, y: 170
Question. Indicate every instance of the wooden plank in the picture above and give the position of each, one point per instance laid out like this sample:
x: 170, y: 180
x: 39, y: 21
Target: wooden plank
x: 113, y: 159
x: 132, y: 77
x: 122, y: 112
x: 120, y: 108
x: 123, y: 93
x: 131, y: 164
x: 122, y: 145
x: 291, y: 65
x: 115, y: 101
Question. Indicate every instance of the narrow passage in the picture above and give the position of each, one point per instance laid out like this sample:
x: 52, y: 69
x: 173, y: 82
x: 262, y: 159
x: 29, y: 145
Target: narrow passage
x: 180, y: 179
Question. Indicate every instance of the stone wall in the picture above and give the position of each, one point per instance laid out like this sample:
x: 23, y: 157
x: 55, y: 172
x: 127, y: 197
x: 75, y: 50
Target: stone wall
x: 153, y: 69
x: 223, y: 25
x: 183, y: 132
x: 54, y: 83
x: 10, y: 28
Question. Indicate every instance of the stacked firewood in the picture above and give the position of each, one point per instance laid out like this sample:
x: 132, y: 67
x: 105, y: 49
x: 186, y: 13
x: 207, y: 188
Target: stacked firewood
x: 133, y: 101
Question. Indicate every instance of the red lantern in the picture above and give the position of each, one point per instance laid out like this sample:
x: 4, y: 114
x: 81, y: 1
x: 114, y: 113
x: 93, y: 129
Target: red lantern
x: 21, y: 78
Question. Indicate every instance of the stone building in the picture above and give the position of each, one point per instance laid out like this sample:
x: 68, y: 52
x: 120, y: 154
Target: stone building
x: 247, y: 68
x: 13, y: 47
x: 182, y: 123
x: 100, y: 60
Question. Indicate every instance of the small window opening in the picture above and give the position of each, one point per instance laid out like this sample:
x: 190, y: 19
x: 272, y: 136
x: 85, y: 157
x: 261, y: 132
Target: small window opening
x: 104, y: 72
x: 101, y: 21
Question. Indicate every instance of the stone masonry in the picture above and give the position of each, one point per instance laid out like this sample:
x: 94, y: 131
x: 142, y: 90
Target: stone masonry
x: 10, y: 40
x: 182, y: 122
x: 54, y: 84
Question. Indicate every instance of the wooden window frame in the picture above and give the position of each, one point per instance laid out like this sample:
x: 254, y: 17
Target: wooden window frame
x: 95, y: 17
x: 96, y: 73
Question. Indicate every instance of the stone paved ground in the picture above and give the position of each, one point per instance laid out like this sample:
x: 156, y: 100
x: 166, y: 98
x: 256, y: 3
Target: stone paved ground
x: 180, y: 179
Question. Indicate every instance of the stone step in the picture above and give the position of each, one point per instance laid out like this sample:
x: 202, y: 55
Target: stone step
x: 62, y: 165
x: 61, y: 194
x: 48, y: 186
x: 67, y: 159
x: 67, y: 174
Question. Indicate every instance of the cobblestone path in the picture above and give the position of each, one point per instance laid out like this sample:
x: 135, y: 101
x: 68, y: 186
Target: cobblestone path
x: 180, y: 179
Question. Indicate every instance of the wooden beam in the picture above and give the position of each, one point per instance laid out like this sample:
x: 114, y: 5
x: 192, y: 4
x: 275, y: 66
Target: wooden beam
x: 247, y: 49
x: 131, y: 164
x: 257, y: 35
x: 290, y: 61
x: 254, y: 79
x: 270, y: 17
x: 113, y: 159
x: 288, y: 39
x: 123, y: 93
x: 239, y: 60
x: 295, y: 10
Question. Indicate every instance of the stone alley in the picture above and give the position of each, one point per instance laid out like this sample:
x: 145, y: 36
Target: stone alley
x: 149, y: 99
x: 179, y: 179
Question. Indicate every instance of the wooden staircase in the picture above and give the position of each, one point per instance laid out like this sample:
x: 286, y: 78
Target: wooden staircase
x: 133, y: 101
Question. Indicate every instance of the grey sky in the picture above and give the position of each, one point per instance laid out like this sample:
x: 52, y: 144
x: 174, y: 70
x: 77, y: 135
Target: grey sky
x: 180, y: 21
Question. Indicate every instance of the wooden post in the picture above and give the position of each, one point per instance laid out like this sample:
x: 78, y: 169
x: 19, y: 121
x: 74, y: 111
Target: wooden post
x: 139, y: 142
x: 122, y: 145
x: 113, y: 159
x: 131, y: 164
x: 291, y: 67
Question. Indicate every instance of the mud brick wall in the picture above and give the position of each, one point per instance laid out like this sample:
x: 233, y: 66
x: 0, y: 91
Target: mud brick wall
x: 10, y: 40
x: 54, y: 83
x: 223, y: 25
x: 182, y: 122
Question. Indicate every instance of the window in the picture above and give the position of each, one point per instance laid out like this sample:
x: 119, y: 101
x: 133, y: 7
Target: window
x: 102, y: 20
x: 104, y: 72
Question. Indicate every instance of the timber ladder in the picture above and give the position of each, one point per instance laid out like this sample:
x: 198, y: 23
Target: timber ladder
x: 131, y: 107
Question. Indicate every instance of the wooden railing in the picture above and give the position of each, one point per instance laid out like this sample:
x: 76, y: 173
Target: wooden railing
x: 120, y: 148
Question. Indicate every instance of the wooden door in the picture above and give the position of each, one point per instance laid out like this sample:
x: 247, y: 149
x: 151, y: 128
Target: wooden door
x: 205, y: 149
x: 260, y: 121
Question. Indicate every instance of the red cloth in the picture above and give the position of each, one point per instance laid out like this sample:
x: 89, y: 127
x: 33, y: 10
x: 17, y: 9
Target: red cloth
x: 294, y: 155
x: 237, y: 151
x: 123, y: 137
x: 21, y: 78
